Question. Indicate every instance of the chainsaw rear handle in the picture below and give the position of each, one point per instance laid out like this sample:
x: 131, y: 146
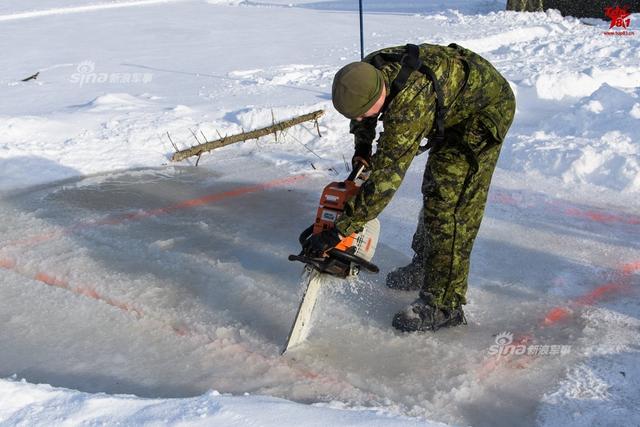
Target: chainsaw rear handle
x: 305, y: 235
x: 357, y: 170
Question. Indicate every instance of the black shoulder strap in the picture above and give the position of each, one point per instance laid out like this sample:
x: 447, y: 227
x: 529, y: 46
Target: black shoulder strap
x: 411, y: 62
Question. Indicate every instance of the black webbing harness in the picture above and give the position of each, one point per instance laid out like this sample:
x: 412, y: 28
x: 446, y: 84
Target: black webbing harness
x: 411, y: 62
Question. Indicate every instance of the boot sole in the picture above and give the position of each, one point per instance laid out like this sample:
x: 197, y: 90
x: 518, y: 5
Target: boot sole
x: 410, y: 326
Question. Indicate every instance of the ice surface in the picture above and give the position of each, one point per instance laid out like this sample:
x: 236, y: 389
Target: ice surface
x: 198, y: 298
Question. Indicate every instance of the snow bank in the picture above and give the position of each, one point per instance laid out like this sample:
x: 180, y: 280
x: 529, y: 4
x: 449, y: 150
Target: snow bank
x: 112, y: 131
x: 493, y: 42
x: 43, y: 405
x: 582, y: 84
x: 593, y: 141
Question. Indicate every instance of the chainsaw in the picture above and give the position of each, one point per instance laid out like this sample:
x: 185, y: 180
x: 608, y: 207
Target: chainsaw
x: 351, y: 255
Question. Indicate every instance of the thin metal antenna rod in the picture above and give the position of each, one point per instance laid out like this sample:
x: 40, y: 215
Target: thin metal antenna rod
x: 361, y: 33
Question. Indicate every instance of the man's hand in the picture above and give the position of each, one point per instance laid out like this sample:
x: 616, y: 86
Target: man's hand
x: 362, y: 155
x: 319, y: 243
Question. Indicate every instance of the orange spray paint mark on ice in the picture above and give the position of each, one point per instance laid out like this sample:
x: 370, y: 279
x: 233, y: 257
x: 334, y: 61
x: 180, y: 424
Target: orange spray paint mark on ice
x: 134, y: 216
x: 557, y: 314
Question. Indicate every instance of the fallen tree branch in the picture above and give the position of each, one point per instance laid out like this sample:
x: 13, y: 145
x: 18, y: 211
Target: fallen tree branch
x: 254, y: 134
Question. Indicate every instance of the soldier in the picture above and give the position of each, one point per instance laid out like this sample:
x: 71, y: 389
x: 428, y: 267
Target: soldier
x: 462, y: 104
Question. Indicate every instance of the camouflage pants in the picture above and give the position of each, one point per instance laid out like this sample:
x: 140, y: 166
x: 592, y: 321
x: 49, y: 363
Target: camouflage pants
x: 455, y: 187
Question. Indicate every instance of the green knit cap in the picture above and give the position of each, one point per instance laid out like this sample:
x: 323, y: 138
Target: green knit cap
x: 356, y: 87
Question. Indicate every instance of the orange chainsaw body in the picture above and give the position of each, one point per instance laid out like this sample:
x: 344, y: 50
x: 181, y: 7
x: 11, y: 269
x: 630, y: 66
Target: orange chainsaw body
x: 332, y: 203
x: 353, y: 251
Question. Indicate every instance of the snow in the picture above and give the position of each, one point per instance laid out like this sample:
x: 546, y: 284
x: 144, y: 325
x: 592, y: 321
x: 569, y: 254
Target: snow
x: 134, y: 287
x: 44, y: 405
x: 592, y: 142
x: 579, y: 85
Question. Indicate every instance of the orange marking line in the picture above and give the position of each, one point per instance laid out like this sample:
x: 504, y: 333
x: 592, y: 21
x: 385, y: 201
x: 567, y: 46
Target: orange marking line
x: 602, y: 217
x: 505, y: 198
x: 502, y: 197
x: 183, y: 331
x: 89, y: 292
x: 495, y: 362
x: 630, y: 268
x: 600, y: 293
x: 200, y: 201
x: 134, y: 216
x: 556, y: 314
x: 7, y: 264
x: 559, y: 313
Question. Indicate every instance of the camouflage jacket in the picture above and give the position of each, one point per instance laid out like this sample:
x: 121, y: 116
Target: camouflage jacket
x: 471, y: 87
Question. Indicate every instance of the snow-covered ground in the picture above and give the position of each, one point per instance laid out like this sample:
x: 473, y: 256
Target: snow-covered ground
x: 122, y: 273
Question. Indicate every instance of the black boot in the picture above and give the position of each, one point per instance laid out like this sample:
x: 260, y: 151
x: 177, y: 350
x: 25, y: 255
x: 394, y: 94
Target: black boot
x: 407, y: 278
x: 423, y: 315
